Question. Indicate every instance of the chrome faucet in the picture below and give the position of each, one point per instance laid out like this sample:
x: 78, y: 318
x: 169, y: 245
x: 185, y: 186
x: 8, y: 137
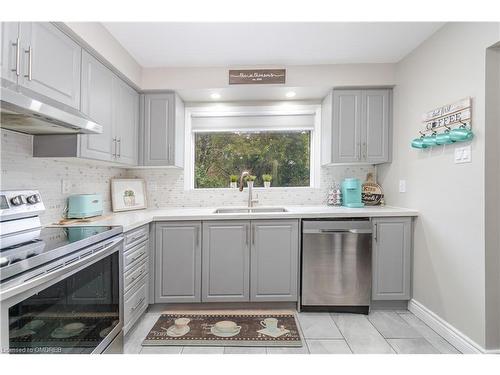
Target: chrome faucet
x: 251, y: 200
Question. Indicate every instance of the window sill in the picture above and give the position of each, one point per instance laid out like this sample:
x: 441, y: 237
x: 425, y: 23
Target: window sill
x: 259, y: 189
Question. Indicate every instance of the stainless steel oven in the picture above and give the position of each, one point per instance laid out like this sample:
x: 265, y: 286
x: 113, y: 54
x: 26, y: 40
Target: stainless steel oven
x: 61, y: 289
x: 73, y: 305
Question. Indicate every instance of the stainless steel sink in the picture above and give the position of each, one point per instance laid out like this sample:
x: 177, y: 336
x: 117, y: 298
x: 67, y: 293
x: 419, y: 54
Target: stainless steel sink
x: 252, y: 210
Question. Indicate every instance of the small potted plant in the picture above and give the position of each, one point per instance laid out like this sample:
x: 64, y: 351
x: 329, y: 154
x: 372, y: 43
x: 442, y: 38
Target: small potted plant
x: 233, y: 181
x: 267, y: 180
x: 129, y: 198
x: 250, y: 180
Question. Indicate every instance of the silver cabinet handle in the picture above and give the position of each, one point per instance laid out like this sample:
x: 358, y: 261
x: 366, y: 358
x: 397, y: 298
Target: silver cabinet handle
x: 138, y: 304
x: 169, y: 149
x: 253, y: 234
x: 365, y: 150
x: 17, y: 69
x: 137, y: 257
x: 29, y: 52
x: 114, y: 148
x: 198, y: 236
x: 375, y: 232
x: 246, y: 233
x: 119, y: 147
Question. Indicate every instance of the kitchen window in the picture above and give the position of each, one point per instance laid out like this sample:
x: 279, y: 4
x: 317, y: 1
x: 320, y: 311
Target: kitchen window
x: 263, y: 141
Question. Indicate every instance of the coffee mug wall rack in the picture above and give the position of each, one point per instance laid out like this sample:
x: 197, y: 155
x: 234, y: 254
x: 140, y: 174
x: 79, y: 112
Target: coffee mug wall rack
x: 446, y: 125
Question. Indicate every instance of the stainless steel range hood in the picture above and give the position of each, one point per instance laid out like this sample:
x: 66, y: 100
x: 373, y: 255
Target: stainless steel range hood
x: 22, y: 113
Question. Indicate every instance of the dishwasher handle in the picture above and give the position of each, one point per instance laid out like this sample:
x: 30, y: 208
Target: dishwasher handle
x: 327, y: 231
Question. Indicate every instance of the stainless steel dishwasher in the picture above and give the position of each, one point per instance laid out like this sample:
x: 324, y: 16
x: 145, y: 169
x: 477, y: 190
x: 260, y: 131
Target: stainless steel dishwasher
x: 336, y: 265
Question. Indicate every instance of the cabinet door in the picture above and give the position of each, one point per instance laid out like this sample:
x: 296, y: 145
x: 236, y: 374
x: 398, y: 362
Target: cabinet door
x: 346, y: 126
x: 274, y: 260
x: 391, y: 258
x: 54, y: 62
x: 226, y: 259
x: 97, y: 103
x: 9, y: 33
x: 375, y: 129
x: 178, y: 262
x: 158, y: 140
x: 126, y: 125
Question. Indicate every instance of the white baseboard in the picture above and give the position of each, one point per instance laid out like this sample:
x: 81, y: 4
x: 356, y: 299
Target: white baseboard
x: 458, y: 339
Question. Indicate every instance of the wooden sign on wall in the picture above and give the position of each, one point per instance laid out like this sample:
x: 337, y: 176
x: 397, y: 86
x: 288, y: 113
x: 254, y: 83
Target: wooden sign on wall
x: 257, y: 76
x: 456, y: 113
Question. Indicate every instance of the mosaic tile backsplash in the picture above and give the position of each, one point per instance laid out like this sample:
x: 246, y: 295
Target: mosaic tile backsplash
x: 165, y: 187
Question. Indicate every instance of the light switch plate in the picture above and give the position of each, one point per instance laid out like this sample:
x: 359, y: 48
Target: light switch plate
x: 463, y: 154
x: 402, y: 186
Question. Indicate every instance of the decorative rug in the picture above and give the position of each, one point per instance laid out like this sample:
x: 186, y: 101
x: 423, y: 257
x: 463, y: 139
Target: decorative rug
x: 225, y: 329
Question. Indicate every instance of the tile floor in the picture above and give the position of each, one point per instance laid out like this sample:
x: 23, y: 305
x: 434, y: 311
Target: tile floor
x: 323, y: 333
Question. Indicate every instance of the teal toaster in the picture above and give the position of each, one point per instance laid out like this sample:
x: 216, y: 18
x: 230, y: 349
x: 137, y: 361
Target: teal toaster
x: 84, y: 205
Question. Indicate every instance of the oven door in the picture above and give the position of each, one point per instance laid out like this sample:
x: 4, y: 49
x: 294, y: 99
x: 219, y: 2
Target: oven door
x: 74, y: 306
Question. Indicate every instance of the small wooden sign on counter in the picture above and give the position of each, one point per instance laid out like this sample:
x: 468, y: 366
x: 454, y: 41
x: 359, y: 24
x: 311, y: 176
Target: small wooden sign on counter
x: 257, y: 76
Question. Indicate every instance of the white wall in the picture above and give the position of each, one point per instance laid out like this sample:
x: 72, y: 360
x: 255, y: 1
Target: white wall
x: 297, y: 76
x: 100, y: 39
x: 492, y: 189
x: 449, y: 246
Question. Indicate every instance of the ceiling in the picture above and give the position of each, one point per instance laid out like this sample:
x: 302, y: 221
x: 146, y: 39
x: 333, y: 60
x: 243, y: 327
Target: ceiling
x: 168, y: 44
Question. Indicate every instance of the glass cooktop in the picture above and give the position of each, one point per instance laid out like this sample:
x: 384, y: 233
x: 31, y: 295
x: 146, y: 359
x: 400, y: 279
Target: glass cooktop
x: 30, y: 249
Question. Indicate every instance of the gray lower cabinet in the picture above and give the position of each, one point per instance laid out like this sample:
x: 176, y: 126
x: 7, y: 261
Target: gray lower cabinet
x: 274, y: 260
x: 392, y: 243
x: 178, y: 262
x: 226, y: 261
x: 50, y: 63
x: 162, y: 130
x: 359, y: 128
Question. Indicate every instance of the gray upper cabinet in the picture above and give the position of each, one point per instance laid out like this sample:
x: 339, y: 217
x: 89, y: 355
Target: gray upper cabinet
x: 178, y: 262
x: 392, y: 239
x: 126, y: 124
x: 226, y: 261
x: 360, y: 129
x: 110, y: 102
x: 98, y: 104
x: 376, y: 128
x: 346, y: 133
x: 162, y: 130
x: 274, y: 260
x: 50, y: 63
x: 9, y: 34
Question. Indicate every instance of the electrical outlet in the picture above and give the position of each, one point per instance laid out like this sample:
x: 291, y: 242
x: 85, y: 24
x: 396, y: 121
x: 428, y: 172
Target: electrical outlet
x: 402, y: 186
x: 463, y: 154
x: 65, y: 186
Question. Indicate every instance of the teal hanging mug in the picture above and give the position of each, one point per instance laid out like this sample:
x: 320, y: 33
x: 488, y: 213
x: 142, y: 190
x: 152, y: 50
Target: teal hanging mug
x: 430, y: 140
x: 444, y: 138
x: 461, y: 134
x: 418, y: 143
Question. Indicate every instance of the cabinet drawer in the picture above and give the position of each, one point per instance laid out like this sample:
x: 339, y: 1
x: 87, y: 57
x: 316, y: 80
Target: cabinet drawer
x: 136, y: 300
x: 135, y: 273
x: 134, y: 255
x: 136, y: 236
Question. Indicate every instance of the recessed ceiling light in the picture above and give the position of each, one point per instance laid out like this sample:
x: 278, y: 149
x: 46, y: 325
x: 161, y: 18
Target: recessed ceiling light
x: 290, y: 94
x: 215, y: 95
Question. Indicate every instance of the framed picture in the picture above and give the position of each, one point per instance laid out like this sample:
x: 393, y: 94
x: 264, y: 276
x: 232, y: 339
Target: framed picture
x: 128, y: 194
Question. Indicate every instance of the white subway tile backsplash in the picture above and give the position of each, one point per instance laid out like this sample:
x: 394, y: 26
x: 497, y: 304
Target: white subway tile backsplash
x: 165, y: 187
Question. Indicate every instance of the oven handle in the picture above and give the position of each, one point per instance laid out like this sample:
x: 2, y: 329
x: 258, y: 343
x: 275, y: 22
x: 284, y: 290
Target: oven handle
x: 330, y: 231
x: 77, y: 262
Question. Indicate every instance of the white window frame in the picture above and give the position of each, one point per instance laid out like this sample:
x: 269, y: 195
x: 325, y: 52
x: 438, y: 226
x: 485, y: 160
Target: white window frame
x: 275, y: 109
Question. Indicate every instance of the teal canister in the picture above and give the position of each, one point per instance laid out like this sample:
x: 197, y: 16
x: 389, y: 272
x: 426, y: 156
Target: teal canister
x: 461, y: 134
x: 444, y: 138
x: 418, y: 143
x: 430, y: 140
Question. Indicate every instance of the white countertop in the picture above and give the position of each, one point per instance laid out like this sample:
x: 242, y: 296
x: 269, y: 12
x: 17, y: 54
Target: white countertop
x: 133, y: 219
